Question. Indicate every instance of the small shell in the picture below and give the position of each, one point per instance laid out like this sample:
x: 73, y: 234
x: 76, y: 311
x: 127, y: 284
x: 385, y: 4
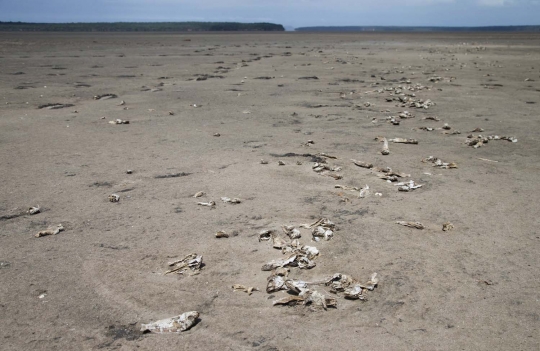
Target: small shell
x: 248, y: 289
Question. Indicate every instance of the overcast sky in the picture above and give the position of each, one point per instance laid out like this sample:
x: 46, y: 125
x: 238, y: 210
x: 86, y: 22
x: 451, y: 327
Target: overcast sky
x: 294, y: 13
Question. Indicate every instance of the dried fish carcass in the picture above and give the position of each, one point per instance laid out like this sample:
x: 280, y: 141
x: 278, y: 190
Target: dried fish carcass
x: 208, y: 204
x: 322, y: 232
x: 50, y: 231
x: 291, y: 231
x: 265, y: 235
x: 191, y: 261
x: 404, y: 141
x: 276, y: 281
x: 416, y: 225
x: 231, y: 201
x: 34, y: 210
x: 172, y: 325
x: 290, y: 261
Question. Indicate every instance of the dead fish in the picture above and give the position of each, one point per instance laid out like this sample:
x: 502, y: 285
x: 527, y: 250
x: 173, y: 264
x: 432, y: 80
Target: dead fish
x: 114, y: 198
x: 291, y: 231
x: 416, y: 225
x: 265, y: 235
x: 372, y: 282
x: 408, y: 186
x: 324, y: 222
x: 276, y: 281
x: 404, y: 141
x: 437, y: 162
x: 279, y: 263
x: 199, y: 194
x: 119, y: 121
x: 318, y: 299
x: 289, y: 300
x: 209, y: 204
x: 447, y: 226
x: 295, y: 286
x: 363, y: 164
x: 278, y: 242
x: 191, y: 261
x: 172, y: 325
x: 322, y: 232
x: 105, y: 96
x: 50, y: 231
x: 221, y: 234
x: 231, y: 201
x: 34, y: 210
x: 385, y: 149
x: 354, y: 293
x: 364, y: 192
x: 248, y: 289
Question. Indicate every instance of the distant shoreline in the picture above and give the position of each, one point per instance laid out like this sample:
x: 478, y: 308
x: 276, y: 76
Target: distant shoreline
x: 421, y: 29
x: 184, y: 27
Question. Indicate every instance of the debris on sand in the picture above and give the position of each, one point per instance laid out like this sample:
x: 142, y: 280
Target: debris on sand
x: 50, y: 231
x: 291, y: 231
x: 248, y: 289
x: 299, y: 260
x: 403, y: 141
x: 54, y: 106
x: 265, y: 235
x: 385, y: 149
x: 114, y: 198
x: 351, y: 288
x: 105, y: 96
x: 119, y: 121
x: 172, y: 325
x: 479, y: 140
x: 323, y: 228
x: 432, y: 118
x: 363, y: 164
x: 416, y: 225
x: 34, y: 210
x: 221, y: 234
x: 191, y: 261
x: 264, y: 162
x: 231, y: 201
x: 281, y: 163
x: 447, y: 226
x: 307, y: 297
x: 408, y: 186
x: 199, y: 194
x: 437, y: 162
x: 209, y: 204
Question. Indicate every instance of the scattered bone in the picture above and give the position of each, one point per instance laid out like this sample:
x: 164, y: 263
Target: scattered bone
x: 50, y: 231
x: 248, y: 289
x: 403, y: 141
x: 408, y: 186
x: 172, y: 325
x: 416, y: 225
x: 122, y: 103
x: 276, y: 281
x: 209, y: 204
x: 217, y: 134
x: 447, y: 226
x: 364, y: 192
x: 221, y: 234
x: 290, y: 261
x: 278, y: 242
x: 191, y: 261
x: 264, y: 162
x: 385, y: 149
x: 231, y: 201
x: 319, y: 232
x: 291, y: 232
x: 363, y: 164
x: 307, y: 297
x: 281, y: 163
x: 437, y: 162
x: 34, y: 210
x: 119, y: 121
x: 485, y: 159
x: 114, y: 198
x: 199, y: 194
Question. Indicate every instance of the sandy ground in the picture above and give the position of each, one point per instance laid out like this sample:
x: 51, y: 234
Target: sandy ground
x: 92, y: 285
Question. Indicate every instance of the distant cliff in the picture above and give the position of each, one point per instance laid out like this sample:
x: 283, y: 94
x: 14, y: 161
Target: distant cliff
x: 420, y: 29
x: 138, y: 27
